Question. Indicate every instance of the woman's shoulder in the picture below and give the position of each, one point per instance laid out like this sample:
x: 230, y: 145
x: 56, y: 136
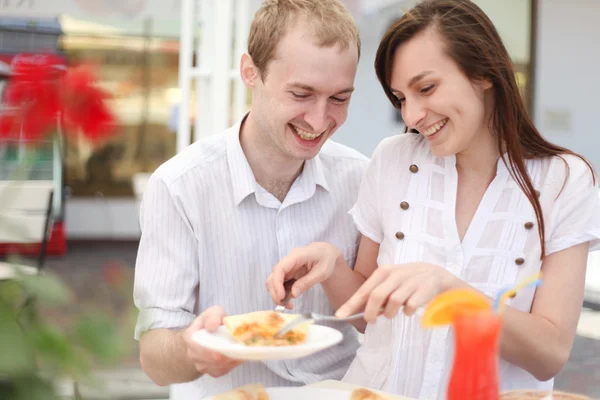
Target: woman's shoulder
x: 566, y: 174
x: 564, y: 168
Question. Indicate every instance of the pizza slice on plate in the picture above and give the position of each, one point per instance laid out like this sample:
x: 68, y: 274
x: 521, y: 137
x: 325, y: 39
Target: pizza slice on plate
x: 255, y: 391
x: 259, y: 329
x: 366, y: 394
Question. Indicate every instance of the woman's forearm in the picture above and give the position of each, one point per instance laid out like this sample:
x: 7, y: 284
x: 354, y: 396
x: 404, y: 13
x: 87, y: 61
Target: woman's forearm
x: 342, y: 284
x: 533, y: 343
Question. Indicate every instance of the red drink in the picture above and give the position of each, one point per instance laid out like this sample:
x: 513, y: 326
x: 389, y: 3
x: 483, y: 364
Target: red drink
x: 475, y: 369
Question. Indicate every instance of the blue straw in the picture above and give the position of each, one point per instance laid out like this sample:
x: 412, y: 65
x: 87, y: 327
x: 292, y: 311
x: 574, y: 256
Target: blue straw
x: 501, y: 293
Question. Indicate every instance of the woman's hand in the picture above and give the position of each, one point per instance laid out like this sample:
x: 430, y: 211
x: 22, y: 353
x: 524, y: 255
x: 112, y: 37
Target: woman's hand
x: 411, y: 286
x: 309, y: 265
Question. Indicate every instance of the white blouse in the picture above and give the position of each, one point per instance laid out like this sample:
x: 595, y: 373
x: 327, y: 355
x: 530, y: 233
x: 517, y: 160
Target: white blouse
x: 407, y: 204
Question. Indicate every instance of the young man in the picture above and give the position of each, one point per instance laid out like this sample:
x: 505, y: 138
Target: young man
x: 218, y: 216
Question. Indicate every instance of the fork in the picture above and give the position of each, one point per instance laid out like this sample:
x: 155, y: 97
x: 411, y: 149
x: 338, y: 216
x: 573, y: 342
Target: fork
x: 287, y: 285
x: 314, y: 317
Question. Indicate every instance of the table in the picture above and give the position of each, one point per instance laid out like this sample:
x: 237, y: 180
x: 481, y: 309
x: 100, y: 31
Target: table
x: 337, y: 385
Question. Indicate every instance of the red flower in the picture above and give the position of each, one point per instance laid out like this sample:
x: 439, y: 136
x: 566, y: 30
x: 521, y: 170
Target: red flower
x: 40, y: 91
x: 85, y: 107
x: 31, y: 100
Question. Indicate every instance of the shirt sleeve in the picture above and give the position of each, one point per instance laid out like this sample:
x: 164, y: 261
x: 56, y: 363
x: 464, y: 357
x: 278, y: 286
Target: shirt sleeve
x: 576, y: 216
x: 166, y: 270
x: 366, y: 212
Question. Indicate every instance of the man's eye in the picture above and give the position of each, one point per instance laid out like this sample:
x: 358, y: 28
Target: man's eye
x: 300, y: 95
x: 340, y: 100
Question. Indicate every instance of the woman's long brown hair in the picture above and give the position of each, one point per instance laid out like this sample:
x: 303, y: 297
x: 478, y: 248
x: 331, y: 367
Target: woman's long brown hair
x: 474, y: 44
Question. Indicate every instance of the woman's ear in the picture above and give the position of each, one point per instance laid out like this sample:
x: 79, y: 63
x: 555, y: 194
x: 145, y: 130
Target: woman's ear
x: 485, y: 84
x: 248, y: 71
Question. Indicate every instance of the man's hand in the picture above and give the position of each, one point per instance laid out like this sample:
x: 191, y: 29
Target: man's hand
x: 309, y: 265
x: 207, y: 361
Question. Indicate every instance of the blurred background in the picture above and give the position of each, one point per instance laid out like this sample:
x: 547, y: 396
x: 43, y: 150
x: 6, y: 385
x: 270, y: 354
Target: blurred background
x: 171, y: 66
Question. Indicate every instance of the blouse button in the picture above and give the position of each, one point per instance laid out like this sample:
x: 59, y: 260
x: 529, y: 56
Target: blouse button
x: 399, y: 235
x: 404, y: 205
x: 519, y: 261
x: 413, y: 168
x: 528, y: 225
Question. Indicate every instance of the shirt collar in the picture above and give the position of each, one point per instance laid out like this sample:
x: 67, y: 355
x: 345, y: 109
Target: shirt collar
x: 243, y: 180
x: 314, y: 173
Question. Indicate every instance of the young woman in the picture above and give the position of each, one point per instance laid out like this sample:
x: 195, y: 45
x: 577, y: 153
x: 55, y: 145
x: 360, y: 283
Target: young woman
x: 475, y: 197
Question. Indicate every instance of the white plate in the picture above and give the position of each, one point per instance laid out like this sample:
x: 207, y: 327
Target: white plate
x: 303, y: 393
x: 319, y: 338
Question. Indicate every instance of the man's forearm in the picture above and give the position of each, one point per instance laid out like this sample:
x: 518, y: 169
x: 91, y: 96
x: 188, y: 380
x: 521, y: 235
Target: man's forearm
x: 163, y: 357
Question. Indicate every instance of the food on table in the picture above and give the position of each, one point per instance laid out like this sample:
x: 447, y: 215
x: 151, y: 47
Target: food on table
x: 255, y: 391
x: 259, y: 329
x: 365, y: 394
x: 541, y: 395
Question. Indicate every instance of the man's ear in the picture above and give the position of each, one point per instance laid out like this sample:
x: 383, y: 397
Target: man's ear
x: 248, y: 71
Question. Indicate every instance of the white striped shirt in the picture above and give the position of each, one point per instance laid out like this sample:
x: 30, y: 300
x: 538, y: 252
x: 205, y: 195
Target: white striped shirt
x: 211, y: 236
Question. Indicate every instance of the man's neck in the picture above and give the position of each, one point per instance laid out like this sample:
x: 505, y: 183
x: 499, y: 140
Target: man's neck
x: 272, y: 170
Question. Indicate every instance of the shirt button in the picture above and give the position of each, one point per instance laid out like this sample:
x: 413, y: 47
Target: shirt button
x: 520, y: 261
x: 413, y: 168
x: 528, y: 225
x: 399, y: 235
x: 404, y: 205
x: 537, y: 193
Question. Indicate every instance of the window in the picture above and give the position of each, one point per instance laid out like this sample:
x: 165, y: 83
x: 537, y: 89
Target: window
x: 142, y: 76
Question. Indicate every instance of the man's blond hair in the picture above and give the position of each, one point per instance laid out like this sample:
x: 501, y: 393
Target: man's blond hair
x: 331, y: 21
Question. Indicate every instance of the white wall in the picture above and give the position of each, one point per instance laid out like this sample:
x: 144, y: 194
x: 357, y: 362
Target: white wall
x: 101, y: 218
x: 567, y: 86
x: 371, y: 116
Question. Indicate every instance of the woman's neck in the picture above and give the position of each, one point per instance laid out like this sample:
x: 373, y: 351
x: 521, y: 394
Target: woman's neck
x: 481, y: 158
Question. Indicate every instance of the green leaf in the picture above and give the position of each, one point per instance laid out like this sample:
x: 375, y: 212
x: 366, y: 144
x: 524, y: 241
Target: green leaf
x: 17, y: 356
x: 57, y: 355
x: 100, y: 336
x: 47, y: 288
x: 29, y: 316
x: 33, y: 387
x: 11, y: 292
